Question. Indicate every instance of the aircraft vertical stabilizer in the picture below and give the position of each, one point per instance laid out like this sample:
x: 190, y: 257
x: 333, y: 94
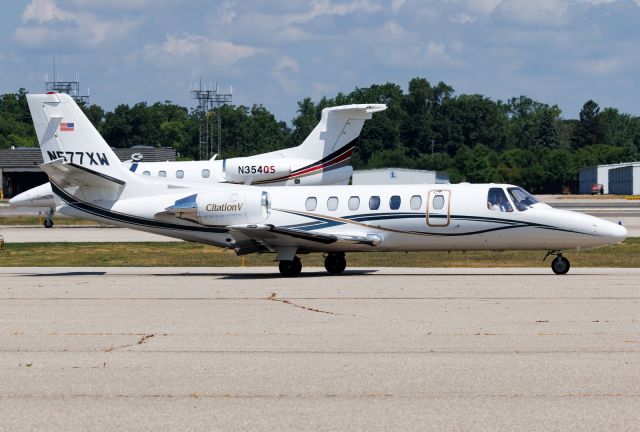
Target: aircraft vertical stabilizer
x: 336, y: 132
x: 65, y: 133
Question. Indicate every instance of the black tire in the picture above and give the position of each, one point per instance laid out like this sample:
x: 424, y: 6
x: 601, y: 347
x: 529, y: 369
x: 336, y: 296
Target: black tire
x: 48, y: 223
x: 560, y: 265
x: 290, y: 268
x: 335, y: 264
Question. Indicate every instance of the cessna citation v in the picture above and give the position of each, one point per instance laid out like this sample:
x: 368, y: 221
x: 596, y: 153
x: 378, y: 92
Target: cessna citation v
x: 322, y: 159
x: 292, y: 221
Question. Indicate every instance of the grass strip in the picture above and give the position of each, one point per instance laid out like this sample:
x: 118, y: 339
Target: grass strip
x: 39, y: 220
x: 183, y: 254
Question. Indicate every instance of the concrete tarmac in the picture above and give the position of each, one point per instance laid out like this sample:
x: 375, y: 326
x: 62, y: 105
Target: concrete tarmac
x: 374, y: 349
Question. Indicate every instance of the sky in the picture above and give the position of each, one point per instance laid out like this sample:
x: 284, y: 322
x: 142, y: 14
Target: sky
x: 275, y: 53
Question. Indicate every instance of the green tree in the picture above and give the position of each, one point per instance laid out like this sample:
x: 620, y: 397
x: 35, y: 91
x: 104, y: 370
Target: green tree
x: 16, y: 128
x: 588, y: 130
x: 560, y: 171
x: 547, y: 132
x: 95, y: 114
x: 307, y: 118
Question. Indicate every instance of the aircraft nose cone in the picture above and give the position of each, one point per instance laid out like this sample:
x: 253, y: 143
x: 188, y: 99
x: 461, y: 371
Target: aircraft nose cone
x: 614, y: 232
x: 21, y: 200
x: 15, y: 201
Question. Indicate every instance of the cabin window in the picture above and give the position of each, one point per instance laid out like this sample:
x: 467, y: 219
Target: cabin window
x: 311, y: 204
x: 497, y: 200
x: 354, y: 203
x: 416, y: 202
x: 374, y: 202
x: 206, y: 173
x: 438, y: 202
x: 394, y: 202
x: 162, y: 173
x: 179, y: 174
x: 146, y: 173
x: 521, y: 198
x: 332, y: 203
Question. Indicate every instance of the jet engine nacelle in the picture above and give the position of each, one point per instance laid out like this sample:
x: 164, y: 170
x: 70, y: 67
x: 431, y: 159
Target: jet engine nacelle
x: 248, y: 170
x: 232, y: 207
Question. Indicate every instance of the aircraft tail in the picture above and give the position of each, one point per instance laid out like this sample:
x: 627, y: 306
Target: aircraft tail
x: 335, y: 134
x: 65, y: 133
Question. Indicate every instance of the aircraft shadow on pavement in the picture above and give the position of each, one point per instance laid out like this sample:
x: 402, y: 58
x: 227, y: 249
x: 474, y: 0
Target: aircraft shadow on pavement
x: 274, y: 275
x: 71, y: 273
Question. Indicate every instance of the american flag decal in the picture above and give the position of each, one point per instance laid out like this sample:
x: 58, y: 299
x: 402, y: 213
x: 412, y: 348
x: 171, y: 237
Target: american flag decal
x: 66, y: 127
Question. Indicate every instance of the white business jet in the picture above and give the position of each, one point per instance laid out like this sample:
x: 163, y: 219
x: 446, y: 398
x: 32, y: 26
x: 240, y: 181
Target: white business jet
x: 293, y: 221
x: 322, y: 159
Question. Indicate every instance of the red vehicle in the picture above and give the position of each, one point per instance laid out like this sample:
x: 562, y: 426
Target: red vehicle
x: 597, y: 188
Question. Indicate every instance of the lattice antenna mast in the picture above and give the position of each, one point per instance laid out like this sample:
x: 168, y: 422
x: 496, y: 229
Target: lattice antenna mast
x: 220, y: 99
x: 72, y: 88
x: 204, y: 98
x: 207, y: 100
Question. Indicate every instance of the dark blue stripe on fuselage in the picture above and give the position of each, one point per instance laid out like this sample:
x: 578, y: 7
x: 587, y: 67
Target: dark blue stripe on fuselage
x: 128, y: 219
x: 321, y: 223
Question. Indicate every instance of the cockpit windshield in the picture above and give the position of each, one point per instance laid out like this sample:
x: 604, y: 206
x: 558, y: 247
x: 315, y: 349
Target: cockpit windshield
x: 497, y: 200
x: 521, y: 198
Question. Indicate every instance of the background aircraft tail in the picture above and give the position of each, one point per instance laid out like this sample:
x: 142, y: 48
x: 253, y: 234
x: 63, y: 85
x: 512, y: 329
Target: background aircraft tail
x: 64, y: 132
x: 335, y: 134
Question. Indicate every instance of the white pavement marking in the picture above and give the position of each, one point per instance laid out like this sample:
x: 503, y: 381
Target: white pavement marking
x: 390, y: 349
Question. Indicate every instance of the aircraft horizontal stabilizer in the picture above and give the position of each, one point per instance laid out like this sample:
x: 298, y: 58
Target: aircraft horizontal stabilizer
x: 184, y: 205
x: 64, y: 174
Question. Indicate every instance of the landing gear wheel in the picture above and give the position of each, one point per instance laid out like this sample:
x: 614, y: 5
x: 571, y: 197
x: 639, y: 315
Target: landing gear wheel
x: 335, y: 263
x: 290, y: 268
x: 560, y: 265
x: 48, y: 223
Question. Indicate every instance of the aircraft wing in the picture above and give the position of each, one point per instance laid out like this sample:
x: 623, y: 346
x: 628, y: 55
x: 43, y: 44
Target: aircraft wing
x: 64, y: 174
x: 269, y: 236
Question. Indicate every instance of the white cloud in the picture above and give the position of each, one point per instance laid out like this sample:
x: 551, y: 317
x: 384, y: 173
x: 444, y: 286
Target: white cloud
x: 116, y: 4
x: 42, y: 11
x: 435, y: 50
x: 197, y: 51
x: 474, y: 7
x: 545, y: 12
x: 286, y: 72
x: 421, y: 55
x: 226, y: 13
x: 603, y: 66
x: 463, y: 18
x: 328, y: 8
x: 44, y: 22
x: 397, y: 4
x: 393, y: 29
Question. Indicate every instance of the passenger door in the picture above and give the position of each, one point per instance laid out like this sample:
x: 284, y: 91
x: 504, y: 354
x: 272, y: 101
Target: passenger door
x: 438, y: 208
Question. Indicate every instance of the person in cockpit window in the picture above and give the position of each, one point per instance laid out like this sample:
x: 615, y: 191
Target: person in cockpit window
x: 497, y: 201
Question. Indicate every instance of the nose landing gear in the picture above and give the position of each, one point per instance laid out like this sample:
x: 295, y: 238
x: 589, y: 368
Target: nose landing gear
x: 560, y: 265
x: 48, y: 222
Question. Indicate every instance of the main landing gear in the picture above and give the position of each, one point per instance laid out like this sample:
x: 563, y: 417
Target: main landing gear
x: 334, y: 262
x: 560, y: 265
x: 290, y: 268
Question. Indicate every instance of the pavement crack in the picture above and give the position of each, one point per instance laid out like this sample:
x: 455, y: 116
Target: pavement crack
x: 273, y: 297
x: 140, y: 341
